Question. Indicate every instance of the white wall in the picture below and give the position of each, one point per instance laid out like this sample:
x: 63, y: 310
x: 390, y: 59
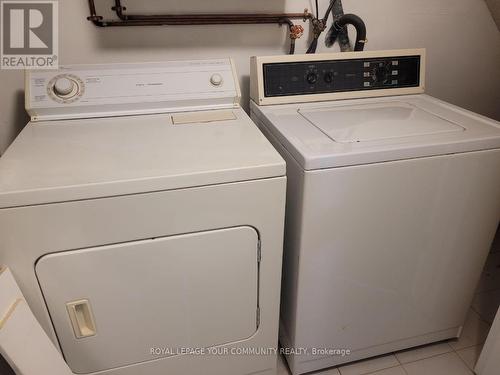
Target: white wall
x: 462, y: 39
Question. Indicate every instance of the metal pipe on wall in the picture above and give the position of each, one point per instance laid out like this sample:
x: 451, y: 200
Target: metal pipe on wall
x: 201, y: 19
x: 295, y: 31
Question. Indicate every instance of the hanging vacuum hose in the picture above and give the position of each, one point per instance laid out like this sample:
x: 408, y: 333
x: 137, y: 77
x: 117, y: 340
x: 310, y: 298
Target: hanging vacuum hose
x: 341, y: 23
x: 338, y: 31
x: 343, y: 37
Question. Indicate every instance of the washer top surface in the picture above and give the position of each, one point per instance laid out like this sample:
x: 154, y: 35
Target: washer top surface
x: 66, y: 160
x: 361, y: 131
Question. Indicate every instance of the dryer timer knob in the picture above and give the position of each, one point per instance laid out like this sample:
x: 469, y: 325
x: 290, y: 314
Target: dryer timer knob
x: 64, y: 86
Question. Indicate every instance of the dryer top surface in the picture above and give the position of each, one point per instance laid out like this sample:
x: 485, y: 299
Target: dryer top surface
x: 65, y: 160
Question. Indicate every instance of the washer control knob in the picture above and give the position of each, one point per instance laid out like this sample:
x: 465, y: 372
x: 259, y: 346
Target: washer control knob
x: 328, y: 77
x: 381, y: 74
x: 216, y: 79
x: 312, y: 78
x: 64, y: 86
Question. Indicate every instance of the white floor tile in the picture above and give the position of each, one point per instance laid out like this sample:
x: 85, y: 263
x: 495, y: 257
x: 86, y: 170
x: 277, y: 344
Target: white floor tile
x: 474, y: 332
x: 490, y: 278
x: 445, y: 364
x: 422, y: 352
x: 486, y: 305
x: 470, y: 355
x: 283, y: 369
x: 390, y: 371
x: 370, y: 365
x: 330, y: 371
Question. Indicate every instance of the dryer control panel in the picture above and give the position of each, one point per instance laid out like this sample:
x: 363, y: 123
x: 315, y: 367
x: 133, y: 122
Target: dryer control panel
x: 83, y: 91
x: 301, y: 78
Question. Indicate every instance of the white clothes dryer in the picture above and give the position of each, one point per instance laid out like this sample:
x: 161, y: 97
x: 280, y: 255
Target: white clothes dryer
x: 141, y: 215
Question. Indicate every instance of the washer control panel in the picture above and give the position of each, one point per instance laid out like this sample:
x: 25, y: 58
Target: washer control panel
x: 318, y: 77
x: 298, y: 78
x: 82, y: 91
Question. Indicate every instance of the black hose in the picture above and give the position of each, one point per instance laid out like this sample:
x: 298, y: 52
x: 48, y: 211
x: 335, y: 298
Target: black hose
x: 343, y: 37
x: 313, y: 45
x: 340, y: 23
x: 292, y: 47
x: 330, y: 7
x: 319, y: 25
x: 292, y: 37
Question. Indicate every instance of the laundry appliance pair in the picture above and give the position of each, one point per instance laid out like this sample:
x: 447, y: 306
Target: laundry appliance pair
x: 142, y: 213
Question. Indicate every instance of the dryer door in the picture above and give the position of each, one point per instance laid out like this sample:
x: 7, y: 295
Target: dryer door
x: 121, y: 304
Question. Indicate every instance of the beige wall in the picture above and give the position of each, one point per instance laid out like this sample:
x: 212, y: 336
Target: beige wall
x: 462, y: 39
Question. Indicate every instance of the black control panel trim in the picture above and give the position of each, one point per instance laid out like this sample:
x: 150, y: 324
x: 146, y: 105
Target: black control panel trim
x: 334, y: 76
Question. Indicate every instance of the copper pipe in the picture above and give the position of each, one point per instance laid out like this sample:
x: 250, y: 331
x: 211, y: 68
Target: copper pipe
x: 179, y: 22
x: 223, y: 18
x: 195, y: 19
x: 93, y: 14
x: 199, y: 19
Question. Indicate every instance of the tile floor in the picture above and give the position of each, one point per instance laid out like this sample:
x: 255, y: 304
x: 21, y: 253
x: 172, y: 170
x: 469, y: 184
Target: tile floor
x: 453, y: 357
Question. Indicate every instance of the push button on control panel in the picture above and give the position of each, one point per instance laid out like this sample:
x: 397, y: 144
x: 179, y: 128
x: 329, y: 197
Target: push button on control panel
x: 216, y: 79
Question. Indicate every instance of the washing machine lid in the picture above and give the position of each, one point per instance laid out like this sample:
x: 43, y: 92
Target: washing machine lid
x: 67, y: 160
x: 377, y: 121
x: 362, y: 131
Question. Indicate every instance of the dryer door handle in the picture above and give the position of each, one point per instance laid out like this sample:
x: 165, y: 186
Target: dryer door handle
x: 82, y: 319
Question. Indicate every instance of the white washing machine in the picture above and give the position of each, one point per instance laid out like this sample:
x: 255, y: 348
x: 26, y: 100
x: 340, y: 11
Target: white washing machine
x: 393, y: 201
x: 141, y: 215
